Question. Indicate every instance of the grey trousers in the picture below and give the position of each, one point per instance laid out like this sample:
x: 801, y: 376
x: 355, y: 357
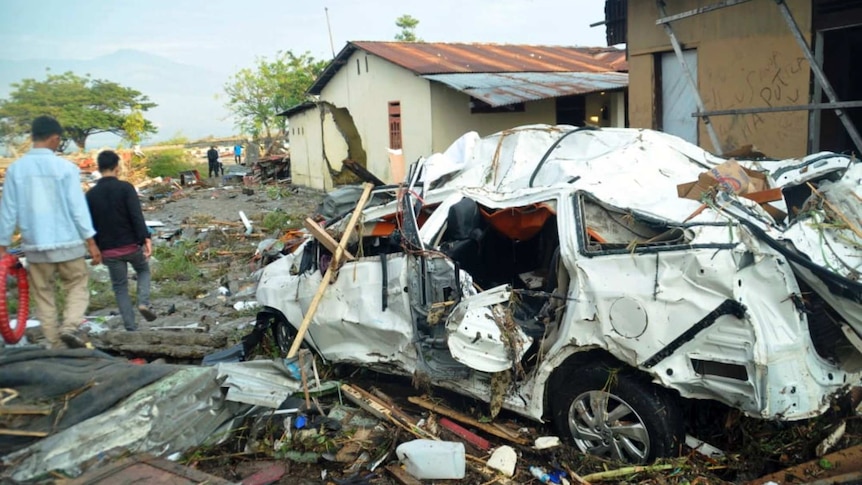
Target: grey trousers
x: 119, y: 271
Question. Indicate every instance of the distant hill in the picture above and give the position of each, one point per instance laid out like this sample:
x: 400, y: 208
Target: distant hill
x: 185, y: 93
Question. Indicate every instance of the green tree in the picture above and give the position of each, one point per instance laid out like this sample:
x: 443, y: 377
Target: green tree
x: 84, y: 106
x: 135, y: 126
x: 256, y: 95
x: 407, y: 24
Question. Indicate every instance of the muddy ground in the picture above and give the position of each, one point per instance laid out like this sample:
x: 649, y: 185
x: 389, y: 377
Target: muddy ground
x: 203, y: 267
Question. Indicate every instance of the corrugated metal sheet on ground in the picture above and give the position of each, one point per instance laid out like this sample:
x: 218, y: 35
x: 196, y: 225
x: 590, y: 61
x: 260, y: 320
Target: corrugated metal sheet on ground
x: 498, y: 89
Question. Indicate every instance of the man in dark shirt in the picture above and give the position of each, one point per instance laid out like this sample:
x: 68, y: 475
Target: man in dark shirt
x: 212, y: 158
x: 122, y: 236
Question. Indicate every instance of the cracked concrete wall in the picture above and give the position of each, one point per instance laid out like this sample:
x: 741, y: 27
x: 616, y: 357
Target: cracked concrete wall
x: 364, y: 86
x: 321, y: 138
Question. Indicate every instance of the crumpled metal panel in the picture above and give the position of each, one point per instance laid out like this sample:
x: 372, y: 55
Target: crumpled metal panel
x: 172, y: 415
x: 259, y: 382
x: 475, y: 338
x: 499, y: 89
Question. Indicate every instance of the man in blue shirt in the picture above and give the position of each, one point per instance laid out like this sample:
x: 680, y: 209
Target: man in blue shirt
x: 42, y: 197
x: 237, y: 153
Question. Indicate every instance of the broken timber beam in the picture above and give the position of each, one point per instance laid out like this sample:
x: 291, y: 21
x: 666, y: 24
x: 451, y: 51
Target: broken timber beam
x: 383, y: 411
x: 25, y: 409
x: 463, y: 418
x: 324, y: 283
x: 321, y: 235
x: 401, y: 476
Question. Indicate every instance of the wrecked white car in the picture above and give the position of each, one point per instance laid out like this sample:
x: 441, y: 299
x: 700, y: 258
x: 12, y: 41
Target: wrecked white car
x: 558, y: 273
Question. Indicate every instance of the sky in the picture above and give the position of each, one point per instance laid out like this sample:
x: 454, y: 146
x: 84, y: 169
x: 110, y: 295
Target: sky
x: 225, y: 35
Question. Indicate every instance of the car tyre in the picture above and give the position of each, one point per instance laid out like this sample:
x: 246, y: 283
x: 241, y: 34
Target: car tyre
x: 283, y: 333
x: 616, y: 414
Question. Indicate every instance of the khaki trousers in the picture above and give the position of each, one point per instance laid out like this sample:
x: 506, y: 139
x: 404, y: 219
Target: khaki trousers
x: 73, y: 276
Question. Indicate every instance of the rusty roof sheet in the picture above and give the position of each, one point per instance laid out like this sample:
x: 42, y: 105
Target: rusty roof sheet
x: 442, y: 58
x: 499, y: 89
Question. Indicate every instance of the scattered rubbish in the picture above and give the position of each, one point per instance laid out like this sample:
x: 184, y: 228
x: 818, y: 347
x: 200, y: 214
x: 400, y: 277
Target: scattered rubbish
x: 470, y: 437
x: 401, y: 476
x: 703, y: 447
x: 430, y: 459
x: 268, y: 475
x: 259, y: 382
x: 246, y: 223
x: 540, y: 474
x: 545, y: 442
x: 245, y: 305
x: 181, y: 422
x: 149, y: 469
x: 504, y: 459
x: 498, y: 431
x: 230, y: 354
x: 830, y: 441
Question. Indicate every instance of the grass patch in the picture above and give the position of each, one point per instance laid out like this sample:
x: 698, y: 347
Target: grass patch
x: 169, y: 162
x: 178, y: 262
x: 102, y: 295
x: 186, y: 289
x: 278, y: 220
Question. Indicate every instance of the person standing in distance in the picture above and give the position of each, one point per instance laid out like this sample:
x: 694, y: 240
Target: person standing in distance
x: 42, y: 197
x: 237, y: 153
x: 122, y: 237
x: 212, y: 158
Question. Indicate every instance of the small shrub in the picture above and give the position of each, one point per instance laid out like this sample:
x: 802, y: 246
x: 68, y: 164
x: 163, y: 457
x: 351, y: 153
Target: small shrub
x: 169, y: 163
x: 276, y: 220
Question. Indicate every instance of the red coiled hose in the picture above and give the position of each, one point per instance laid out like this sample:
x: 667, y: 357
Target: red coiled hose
x: 9, y: 265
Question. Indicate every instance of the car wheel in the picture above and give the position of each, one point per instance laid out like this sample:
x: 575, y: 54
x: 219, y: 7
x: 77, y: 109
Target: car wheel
x: 283, y: 333
x: 616, y: 414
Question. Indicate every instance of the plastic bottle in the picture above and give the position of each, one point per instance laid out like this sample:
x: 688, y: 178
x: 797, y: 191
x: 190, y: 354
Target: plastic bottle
x: 431, y: 459
x: 540, y: 474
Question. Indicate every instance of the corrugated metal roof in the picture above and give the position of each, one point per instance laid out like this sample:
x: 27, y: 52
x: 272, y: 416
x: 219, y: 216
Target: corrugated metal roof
x: 299, y: 108
x: 441, y: 58
x: 498, y: 89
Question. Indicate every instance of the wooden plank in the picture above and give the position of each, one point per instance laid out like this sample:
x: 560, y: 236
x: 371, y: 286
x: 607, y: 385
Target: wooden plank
x: 146, y: 469
x: 270, y: 474
x: 370, y: 406
x: 466, y: 435
x: 401, y: 476
x: 321, y: 235
x: 846, y: 461
x: 489, y: 428
x: 337, y: 257
x: 24, y: 409
x: 18, y: 432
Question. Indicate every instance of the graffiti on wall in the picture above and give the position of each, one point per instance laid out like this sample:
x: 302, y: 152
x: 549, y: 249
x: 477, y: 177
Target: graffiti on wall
x: 775, y: 82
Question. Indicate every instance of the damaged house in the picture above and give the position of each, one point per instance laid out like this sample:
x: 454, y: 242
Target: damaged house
x: 420, y: 97
x: 782, y: 75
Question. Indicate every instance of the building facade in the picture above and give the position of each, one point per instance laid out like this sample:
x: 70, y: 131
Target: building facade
x: 380, y: 97
x: 752, y: 76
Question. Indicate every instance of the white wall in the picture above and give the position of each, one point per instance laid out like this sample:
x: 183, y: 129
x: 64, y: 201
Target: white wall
x: 451, y: 115
x: 305, y: 159
x: 367, y: 93
x: 311, y: 133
